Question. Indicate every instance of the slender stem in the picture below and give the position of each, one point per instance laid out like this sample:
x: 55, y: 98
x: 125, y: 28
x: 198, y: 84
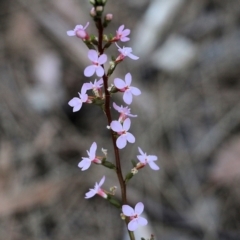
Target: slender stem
x: 109, y: 119
x: 131, y: 235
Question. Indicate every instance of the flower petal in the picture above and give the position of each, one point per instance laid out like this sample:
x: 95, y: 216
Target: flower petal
x: 130, y: 55
x: 133, y: 225
x: 141, y: 151
x: 125, y: 32
x: 86, y: 86
x: 78, y: 27
x: 128, y: 79
x: 71, y: 33
x: 77, y: 108
x: 125, y: 39
x: 139, y: 208
x: 93, y: 55
x: 141, y: 158
x: 135, y: 91
x: 84, y: 164
x: 99, y: 71
x: 86, y: 25
x: 90, y: 194
x: 119, y: 83
x: 126, y: 124
x: 152, y: 158
x: 102, y: 59
x: 127, y: 97
x: 84, y: 97
x: 127, y: 210
x: 101, y: 181
x: 121, y: 142
x: 116, y: 107
x: 153, y: 166
x: 93, y: 149
x: 130, y: 115
x: 100, y: 82
x: 130, y: 137
x: 76, y: 103
x: 120, y: 29
x: 142, y: 221
x: 116, y: 126
x: 89, y: 71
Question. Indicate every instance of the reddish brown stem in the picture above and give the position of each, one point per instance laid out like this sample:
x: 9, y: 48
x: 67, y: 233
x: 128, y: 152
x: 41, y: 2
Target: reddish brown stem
x: 109, y: 118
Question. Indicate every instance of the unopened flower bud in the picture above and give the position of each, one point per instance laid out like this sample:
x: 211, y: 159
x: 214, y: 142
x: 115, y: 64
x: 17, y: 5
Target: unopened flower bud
x: 104, y: 152
x: 110, y: 87
x: 93, y: 12
x: 109, y: 17
x: 113, y: 190
x: 92, y: 2
x: 105, y: 38
x: 134, y: 171
x: 99, y: 9
x: 123, y: 217
x: 82, y: 34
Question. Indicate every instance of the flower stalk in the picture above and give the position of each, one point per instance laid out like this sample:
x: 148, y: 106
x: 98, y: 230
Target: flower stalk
x: 120, y: 135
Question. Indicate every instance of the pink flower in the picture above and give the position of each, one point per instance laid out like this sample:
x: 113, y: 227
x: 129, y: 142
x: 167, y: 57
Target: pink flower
x: 134, y: 215
x: 124, y: 112
x: 146, y: 159
x: 76, y: 103
x: 96, y: 64
x: 126, y: 88
x: 79, y: 31
x: 94, y: 86
x: 122, y: 34
x: 122, y: 131
x: 86, y: 162
x: 125, y: 52
x: 97, y: 190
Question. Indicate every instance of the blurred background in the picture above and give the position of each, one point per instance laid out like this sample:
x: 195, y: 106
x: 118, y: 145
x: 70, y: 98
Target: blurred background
x: 188, y: 115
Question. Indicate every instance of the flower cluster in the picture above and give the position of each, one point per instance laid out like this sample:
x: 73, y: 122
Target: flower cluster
x: 121, y: 126
x: 101, y: 93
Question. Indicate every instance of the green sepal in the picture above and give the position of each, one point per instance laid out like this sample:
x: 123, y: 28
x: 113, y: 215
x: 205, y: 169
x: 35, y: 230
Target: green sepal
x: 107, y: 45
x: 98, y: 101
x: 94, y: 40
x: 108, y: 164
x: 101, y: 2
x: 134, y: 163
x: 128, y: 177
x: 105, y: 23
x: 114, y: 90
x: 105, y: 38
x: 114, y: 202
x: 89, y: 44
